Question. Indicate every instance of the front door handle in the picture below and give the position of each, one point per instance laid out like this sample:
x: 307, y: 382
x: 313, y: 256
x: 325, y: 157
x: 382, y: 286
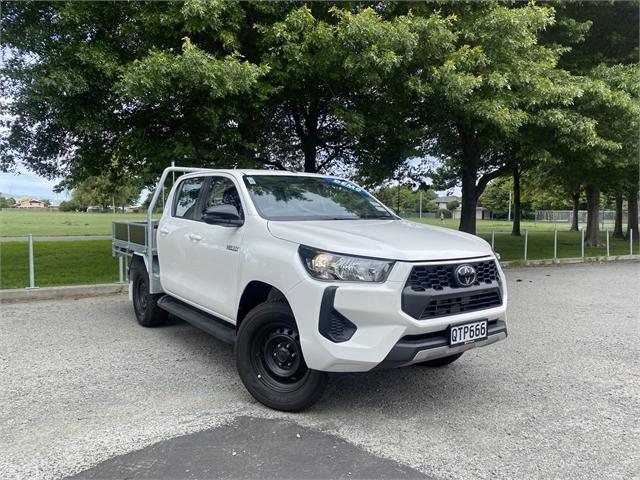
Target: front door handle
x: 164, y: 232
x: 195, y: 237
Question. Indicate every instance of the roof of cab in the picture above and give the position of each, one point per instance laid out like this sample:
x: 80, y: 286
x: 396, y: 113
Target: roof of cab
x: 254, y: 172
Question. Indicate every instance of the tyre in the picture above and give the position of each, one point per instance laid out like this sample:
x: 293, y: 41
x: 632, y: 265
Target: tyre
x: 441, y: 362
x: 145, y: 305
x: 270, y: 362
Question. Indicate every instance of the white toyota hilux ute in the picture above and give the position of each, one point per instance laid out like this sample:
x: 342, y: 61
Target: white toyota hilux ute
x: 309, y: 274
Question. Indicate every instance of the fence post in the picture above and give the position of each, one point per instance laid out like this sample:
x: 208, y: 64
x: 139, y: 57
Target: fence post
x: 630, y: 241
x: 493, y: 240
x: 120, y: 270
x: 555, y: 243
x: 526, y: 243
x: 582, y: 243
x: 32, y: 276
x: 607, y: 242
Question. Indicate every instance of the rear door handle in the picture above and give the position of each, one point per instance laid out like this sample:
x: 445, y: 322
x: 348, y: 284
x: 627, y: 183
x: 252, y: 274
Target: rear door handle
x: 164, y: 232
x: 195, y: 237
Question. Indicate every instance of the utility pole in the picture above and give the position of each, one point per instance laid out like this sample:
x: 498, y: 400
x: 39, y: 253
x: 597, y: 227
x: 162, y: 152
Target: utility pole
x: 421, y: 204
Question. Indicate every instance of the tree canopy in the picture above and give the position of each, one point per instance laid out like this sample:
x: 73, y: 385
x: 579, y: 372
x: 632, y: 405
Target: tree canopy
x: 122, y: 89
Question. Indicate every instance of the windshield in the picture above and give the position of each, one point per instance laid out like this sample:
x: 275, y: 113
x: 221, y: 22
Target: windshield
x: 288, y: 197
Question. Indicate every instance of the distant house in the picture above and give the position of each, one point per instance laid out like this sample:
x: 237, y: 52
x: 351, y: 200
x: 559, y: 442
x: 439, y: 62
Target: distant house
x: 442, y: 202
x: 482, y: 213
x: 30, y: 203
x: 54, y: 207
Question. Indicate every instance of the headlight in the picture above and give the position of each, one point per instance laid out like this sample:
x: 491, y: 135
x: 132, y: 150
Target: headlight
x: 333, y: 266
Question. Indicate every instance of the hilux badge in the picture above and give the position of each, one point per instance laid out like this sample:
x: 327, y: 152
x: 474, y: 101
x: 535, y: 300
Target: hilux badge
x: 465, y: 275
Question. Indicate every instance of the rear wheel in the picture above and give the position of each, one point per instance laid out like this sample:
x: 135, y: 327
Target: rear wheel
x: 145, y: 304
x: 270, y: 361
x: 441, y: 362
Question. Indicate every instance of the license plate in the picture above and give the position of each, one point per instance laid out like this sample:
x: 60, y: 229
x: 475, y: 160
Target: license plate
x: 468, y: 333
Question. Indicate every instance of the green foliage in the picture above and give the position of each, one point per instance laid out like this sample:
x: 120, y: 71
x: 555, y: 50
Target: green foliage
x: 69, y: 206
x: 119, y: 90
x: 403, y: 198
x: 7, y: 202
x: 452, y: 205
x: 103, y: 191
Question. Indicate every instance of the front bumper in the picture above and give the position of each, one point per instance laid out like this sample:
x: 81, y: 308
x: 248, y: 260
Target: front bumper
x: 421, y: 348
x: 376, y: 310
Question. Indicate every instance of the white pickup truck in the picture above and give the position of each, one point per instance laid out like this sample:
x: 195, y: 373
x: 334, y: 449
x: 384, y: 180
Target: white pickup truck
x: 309, y: 274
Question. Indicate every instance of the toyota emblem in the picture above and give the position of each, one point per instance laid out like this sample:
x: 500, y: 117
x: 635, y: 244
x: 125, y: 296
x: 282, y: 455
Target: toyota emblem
x: 465, y: 275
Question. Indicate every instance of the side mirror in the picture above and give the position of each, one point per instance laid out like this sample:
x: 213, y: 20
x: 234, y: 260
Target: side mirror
x: 225, y: 215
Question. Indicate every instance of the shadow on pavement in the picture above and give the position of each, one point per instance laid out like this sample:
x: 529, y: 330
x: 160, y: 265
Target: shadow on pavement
x: 251, y: 448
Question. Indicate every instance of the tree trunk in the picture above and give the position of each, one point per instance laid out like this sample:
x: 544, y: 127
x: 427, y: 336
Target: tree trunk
x: 470, y: 161
x: 517, y: 210
x: 574, y: 216
x: 309, y: 149
x: 593, y: 216
x: 617, y: 228
x: 632, y: 210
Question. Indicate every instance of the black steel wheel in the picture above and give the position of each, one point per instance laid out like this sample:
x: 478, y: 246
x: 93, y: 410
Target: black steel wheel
x: 270, y: 360
x: 145, y: 307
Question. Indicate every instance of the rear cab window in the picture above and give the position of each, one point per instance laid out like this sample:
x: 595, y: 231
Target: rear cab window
x: 186, y: 199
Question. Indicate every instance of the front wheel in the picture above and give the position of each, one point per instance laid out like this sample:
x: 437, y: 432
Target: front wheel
x: 270, y: 362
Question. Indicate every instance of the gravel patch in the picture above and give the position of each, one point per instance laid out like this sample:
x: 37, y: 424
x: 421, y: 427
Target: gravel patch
x: 81, y: 382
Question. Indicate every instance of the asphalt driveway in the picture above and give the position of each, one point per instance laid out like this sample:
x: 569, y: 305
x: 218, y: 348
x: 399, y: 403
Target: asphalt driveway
x: 85, y: 391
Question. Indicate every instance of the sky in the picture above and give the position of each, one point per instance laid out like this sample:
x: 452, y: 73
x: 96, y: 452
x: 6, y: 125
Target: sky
x: 26, y: 184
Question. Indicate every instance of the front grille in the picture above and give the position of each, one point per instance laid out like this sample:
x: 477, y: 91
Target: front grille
x: 439, y: 277
x: 452, y: 305
x: 431, y: 291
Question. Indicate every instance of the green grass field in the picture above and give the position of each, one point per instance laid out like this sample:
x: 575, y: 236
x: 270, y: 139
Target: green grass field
x: 90, y: 262
x: 485, y: 226
x: 58, y: 263
x: 13, y: 224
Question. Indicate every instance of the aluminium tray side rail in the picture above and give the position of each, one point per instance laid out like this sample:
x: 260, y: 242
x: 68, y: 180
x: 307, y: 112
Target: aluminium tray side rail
x: 134, y: 238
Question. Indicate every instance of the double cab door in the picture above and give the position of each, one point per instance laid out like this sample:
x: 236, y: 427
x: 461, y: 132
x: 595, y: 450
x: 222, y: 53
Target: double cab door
x: 199, y: 261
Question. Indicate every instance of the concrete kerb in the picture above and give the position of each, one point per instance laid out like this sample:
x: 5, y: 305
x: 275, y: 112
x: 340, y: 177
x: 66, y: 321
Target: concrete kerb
x: 72, y: 291
x: 564, y: 261
x: 78, y: 291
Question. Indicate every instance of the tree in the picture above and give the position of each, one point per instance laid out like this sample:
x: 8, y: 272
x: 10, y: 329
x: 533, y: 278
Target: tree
x: 452, y: 205
x: 137, y: 85
x: 104, y: 191
x: 69, y: 206
x: 7, y: 202
x: 604, y: 41
x: 123, y: 90
x: 403, y: 198
x: 490, y: 87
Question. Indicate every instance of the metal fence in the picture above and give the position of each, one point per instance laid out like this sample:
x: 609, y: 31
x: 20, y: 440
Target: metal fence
x: 491, y: 237
x: 566, y: 216
x: 554, y: 244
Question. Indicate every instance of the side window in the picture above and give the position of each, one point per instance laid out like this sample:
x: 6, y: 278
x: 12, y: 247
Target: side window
x: 223, y: 192
x: 187, y: 197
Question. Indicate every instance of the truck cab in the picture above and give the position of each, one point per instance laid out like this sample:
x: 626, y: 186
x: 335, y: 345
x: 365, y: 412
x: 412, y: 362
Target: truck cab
x: 310, y: 274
